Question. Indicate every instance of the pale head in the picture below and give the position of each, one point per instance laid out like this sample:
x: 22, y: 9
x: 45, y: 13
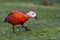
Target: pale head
x: 32, y: 14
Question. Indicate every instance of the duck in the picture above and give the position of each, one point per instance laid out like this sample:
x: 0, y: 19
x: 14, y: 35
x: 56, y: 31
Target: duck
x: 19, y: 17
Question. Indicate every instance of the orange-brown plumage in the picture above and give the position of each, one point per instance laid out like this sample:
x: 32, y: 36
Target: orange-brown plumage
x: 17, y: 17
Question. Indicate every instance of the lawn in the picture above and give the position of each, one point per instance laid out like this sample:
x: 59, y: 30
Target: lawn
x: 47, y: 27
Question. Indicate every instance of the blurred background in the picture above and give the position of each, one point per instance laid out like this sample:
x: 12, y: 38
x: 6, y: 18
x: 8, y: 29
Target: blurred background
x: 47, y: 27
x: 44, y: 2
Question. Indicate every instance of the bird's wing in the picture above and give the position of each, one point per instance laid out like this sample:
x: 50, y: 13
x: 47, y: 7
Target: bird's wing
x: 23, y: 11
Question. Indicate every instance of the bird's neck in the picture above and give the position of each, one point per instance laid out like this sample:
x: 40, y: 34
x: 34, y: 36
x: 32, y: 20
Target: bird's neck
x: 28, y: 16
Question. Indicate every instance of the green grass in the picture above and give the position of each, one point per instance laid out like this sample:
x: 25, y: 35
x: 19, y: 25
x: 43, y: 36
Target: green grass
x: 47, y: 27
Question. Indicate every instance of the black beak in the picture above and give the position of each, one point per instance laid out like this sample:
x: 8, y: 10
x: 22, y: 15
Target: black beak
x: 36, y: 17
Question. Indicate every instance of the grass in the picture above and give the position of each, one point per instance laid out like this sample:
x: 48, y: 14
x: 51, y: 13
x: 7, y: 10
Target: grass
x: 46, y: 28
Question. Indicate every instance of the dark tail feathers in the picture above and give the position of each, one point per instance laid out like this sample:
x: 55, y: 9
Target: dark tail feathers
x: 4, y: 20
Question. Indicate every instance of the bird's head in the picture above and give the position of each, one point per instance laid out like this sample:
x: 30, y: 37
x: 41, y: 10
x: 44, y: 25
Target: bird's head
x: 32, y: 14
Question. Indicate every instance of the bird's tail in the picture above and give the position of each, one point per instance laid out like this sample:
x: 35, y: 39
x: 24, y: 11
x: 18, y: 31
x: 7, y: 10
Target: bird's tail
x: 5, y: 20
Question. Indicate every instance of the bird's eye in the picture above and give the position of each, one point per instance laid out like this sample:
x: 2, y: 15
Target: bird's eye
x: 32, y: 14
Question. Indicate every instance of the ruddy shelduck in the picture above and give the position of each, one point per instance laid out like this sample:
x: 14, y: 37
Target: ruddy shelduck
x: 16, y: 17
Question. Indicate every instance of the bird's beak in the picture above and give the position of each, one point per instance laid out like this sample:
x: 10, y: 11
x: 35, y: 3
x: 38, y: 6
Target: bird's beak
x: 36, y: 17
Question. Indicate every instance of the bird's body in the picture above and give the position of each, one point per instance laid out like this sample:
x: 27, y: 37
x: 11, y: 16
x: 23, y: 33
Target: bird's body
x: 17, y: 17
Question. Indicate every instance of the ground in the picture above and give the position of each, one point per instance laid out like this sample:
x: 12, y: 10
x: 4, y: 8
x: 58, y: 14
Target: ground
x: 47, y: 27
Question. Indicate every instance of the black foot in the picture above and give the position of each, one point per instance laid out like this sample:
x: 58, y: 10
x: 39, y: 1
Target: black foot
x: 27, y: 29
x: 13, y: 32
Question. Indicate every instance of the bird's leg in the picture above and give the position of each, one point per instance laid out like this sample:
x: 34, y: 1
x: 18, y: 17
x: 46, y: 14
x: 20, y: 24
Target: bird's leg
x: 27, y: 29
x: 13, y: 29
